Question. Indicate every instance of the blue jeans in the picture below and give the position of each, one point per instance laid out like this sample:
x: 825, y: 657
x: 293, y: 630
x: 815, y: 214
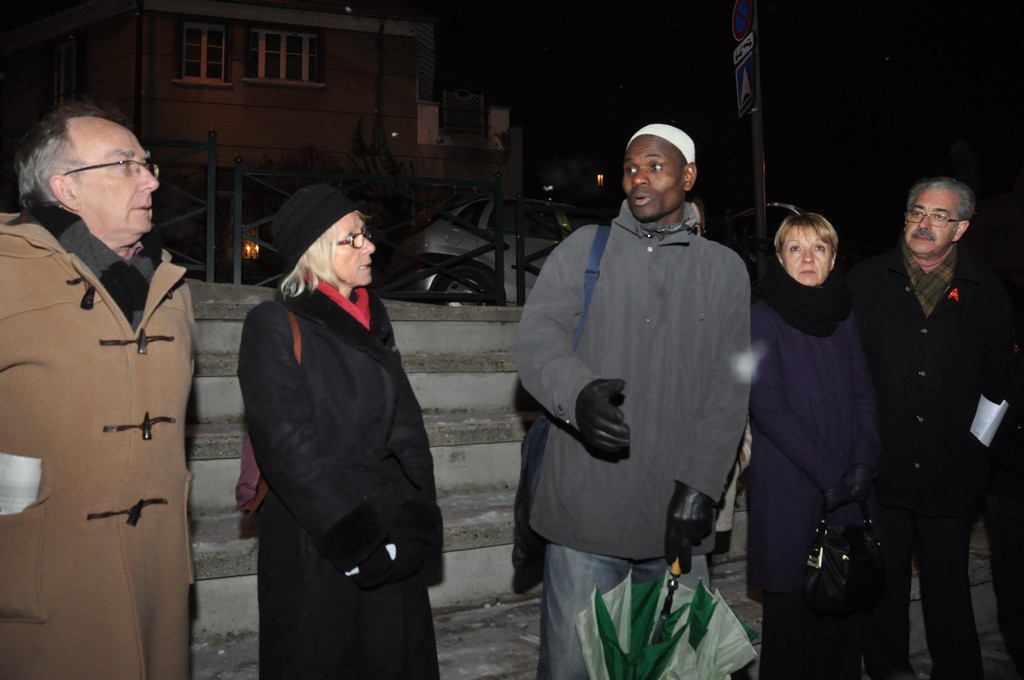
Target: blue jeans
x: 569, y: 580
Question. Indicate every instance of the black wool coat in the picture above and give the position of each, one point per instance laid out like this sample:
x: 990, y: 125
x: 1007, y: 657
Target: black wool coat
x: 928, y: 374
x: 340, y: 441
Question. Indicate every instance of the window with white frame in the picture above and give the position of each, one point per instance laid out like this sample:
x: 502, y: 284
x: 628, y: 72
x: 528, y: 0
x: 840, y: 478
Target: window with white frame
x: 283, y: 55
x: 65, y: 64
x: 202, y: 51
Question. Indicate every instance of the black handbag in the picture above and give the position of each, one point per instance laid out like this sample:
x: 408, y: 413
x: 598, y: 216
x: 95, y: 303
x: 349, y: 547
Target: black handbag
x: 845, y: 572
x: 528, y: 547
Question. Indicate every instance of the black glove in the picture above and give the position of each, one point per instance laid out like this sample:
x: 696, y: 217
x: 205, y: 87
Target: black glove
x: 602, y: 423
x: 858, y: 480
x: 409, y: 557
x: 837, y: 496
x: 691, y: 519
x: 375, y: 570
x: 854, y: 486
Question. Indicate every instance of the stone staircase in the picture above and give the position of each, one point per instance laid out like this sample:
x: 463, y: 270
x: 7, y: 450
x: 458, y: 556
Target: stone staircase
x: 459, y: 361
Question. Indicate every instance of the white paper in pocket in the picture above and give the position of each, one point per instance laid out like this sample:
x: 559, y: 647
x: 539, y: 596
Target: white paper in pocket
x: 19, y: 482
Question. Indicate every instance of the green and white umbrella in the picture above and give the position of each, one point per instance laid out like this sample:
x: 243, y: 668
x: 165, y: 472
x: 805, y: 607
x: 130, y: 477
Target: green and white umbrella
x: 700, y: 639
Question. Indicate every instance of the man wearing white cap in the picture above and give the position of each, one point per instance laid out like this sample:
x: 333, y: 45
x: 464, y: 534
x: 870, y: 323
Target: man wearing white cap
x: 649, y: 410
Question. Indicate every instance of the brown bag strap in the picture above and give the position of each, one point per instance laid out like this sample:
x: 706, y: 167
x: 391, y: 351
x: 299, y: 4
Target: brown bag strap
x: 296, y: 338
x: 261, y: 487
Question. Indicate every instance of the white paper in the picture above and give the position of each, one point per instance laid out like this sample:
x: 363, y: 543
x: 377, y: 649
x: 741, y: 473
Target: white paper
x: 987, y: 419
x: 19, y: 482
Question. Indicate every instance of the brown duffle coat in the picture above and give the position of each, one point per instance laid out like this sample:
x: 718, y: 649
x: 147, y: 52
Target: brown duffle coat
x: 84, y: 593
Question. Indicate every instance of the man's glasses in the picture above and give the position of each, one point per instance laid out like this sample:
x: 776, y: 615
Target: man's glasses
x: 356, y: 240
x: 937, y: 219
x: 129, y: 167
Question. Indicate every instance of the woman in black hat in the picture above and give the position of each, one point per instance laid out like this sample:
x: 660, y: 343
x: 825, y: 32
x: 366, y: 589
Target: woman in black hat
x: 351, y: 512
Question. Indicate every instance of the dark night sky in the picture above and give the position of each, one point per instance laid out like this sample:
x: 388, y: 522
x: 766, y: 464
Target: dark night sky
x: 859, y: 98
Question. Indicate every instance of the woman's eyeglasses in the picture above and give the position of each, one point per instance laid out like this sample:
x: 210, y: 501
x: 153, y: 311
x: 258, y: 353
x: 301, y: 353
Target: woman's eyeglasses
x: 356, y: 240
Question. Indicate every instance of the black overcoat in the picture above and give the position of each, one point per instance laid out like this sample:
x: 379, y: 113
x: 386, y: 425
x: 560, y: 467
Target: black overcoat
x: 341, y: 442
x: 928, y: 373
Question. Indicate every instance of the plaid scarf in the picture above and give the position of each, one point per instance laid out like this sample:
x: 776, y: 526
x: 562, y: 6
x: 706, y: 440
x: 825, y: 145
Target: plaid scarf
x: 929, y: 287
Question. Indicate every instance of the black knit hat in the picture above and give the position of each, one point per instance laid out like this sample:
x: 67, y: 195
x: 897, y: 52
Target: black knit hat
x: 304, y: 217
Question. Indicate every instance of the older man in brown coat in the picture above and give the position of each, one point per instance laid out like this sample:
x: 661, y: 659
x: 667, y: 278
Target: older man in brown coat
x: 95, y: 372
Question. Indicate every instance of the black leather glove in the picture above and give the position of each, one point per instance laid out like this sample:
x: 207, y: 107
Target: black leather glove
x: 598, y: 419
x: 691, y: 519
x: 854, y: 486
x: 837, y: 496
x: 858, y: 480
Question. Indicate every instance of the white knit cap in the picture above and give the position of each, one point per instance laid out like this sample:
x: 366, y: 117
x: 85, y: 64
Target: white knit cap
x: 677, y: 137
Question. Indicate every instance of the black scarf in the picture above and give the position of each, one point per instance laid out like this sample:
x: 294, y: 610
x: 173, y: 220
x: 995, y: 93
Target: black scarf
x: 814, y: 311
x: 127, y: 281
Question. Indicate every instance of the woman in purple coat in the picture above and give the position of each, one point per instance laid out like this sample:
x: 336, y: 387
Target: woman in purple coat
x: 815, y: 444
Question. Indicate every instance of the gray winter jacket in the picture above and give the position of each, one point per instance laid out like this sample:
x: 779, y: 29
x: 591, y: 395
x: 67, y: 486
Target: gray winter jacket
x: 670, y: 316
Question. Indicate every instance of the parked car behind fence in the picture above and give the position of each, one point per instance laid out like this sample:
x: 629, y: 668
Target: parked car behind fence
x: 453, y: 255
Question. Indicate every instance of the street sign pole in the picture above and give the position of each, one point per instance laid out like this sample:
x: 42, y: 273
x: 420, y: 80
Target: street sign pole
x: 757, y: 135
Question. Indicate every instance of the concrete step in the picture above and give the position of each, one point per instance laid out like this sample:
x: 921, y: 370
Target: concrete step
x: 475, y: 565
x: 441, y: 384
x: 472, y: 452
x: 420, y: 328
x: 457, y: 358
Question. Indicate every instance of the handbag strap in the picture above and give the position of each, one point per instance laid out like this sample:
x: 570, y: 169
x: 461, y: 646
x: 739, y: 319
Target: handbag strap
x: 868, y: 524
x: 593, y: 273
x: 261, y: 485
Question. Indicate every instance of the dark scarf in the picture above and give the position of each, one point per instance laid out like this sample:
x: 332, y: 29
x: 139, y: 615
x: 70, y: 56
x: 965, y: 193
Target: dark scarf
x: 127, y: 281
x: 814, y: 311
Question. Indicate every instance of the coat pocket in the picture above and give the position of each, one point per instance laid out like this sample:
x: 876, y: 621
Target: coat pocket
x: 21, y: 564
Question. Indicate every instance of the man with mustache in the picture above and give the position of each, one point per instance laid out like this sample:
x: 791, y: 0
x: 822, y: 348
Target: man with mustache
x: 95, y: 373
x: 936, y: 328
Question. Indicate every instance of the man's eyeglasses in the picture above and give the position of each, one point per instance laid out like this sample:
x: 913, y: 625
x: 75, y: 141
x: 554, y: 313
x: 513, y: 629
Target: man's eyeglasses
x: 131, y: 168
x: 356, y: 240
x: 937, y: 219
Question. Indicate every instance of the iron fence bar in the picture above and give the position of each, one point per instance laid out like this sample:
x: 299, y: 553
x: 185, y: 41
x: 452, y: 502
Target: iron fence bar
x: 520, y: 250
x: 211, y: 193
x: 208, y: 204
x: 236, y: 223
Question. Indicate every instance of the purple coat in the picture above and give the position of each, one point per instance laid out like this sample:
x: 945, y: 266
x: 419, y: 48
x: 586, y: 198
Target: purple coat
x: 812, y: 407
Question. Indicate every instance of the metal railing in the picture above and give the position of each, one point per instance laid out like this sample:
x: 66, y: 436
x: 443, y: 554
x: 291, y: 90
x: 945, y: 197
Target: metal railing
x: 226, y: 236
x: 398, y: 206
x: 187, y: 200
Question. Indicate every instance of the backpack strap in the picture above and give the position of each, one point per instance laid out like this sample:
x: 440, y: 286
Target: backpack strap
x: 592, y: 275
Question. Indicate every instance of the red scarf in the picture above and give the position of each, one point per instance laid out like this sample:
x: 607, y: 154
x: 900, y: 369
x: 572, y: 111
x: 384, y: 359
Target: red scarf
x: 360, y: 309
